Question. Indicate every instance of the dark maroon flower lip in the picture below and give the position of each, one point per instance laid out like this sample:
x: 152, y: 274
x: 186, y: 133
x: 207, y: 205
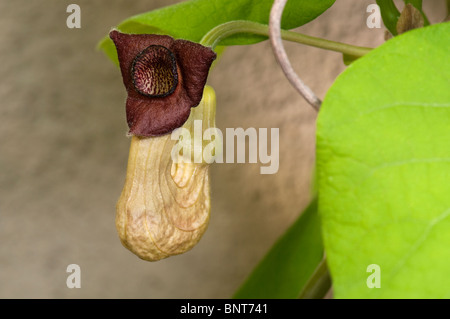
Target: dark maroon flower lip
x: 168, y: 74
x: 163, y: 77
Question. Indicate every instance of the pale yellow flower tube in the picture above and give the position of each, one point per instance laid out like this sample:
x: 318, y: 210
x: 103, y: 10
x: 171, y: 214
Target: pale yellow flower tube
x: 165, y: 205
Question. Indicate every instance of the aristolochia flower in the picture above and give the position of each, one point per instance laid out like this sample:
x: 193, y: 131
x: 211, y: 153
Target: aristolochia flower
x: 163, y: 77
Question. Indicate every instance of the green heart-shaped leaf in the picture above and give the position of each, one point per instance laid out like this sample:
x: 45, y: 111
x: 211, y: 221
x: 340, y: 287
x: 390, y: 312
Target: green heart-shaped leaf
x: 191, y: 20
x: 286, y: 268
x: 383, y: 153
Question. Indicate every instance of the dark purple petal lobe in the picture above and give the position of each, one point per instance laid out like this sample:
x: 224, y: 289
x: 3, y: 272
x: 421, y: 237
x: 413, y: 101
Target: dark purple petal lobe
x: 194, y: 60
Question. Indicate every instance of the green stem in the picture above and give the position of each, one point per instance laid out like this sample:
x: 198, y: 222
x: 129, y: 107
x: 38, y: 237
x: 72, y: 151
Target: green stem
x: 214, y: 36
x: 390, y: 14
x: 319, y: 283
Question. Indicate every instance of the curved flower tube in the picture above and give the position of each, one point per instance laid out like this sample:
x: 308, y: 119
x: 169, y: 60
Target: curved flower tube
x: 165, y: 204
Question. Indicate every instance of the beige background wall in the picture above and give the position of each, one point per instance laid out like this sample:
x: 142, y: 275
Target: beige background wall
x: 63, y: 153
